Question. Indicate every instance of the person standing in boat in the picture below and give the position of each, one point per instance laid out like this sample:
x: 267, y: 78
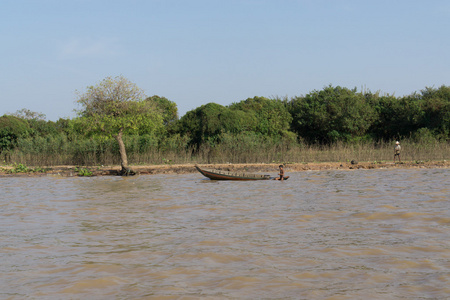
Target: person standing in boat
x: 397, y: 150
x: 281, y: 173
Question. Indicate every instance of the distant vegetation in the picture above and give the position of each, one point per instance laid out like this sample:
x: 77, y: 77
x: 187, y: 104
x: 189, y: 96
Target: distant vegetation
x: 332, y: 124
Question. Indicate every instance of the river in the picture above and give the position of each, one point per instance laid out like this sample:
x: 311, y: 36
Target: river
x: 353, y: 234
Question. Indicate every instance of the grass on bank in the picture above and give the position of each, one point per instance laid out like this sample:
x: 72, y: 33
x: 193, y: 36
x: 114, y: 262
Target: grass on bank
x: 233, y: 152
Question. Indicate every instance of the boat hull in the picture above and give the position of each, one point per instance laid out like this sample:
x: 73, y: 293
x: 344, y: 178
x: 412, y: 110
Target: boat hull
x: 227, y: 175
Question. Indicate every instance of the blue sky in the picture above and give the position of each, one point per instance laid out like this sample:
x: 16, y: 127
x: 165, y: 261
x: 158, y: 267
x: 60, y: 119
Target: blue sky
x: 198, y: 51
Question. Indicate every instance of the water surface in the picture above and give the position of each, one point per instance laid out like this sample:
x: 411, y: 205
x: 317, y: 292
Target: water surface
x: 353, y: 234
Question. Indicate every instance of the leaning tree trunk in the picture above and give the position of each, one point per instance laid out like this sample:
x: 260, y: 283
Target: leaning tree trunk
x: 123, y: 155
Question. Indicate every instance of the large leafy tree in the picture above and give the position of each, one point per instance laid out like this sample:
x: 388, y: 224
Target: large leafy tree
x: 209, y: 121
x: 396, y: 117
x: 436, y: 106
x: 168, y: 108
x: 201, y: 123
x: 332, y: 114
x: 11, y: 129
x: 272, y: 116
x: 37, y: 122
x: 115, y: 107
x: 405, y: 116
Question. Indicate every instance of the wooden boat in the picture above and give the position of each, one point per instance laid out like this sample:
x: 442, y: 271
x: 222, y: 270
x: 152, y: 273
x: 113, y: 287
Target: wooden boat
x: 227, y: 175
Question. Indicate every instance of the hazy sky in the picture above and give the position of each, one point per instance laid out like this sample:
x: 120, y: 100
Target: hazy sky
x: 198, y: 51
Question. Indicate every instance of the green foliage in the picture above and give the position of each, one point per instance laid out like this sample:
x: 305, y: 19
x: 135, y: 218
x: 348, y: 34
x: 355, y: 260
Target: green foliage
x: 238, y: 121
x: 248, y: 147
x: 139, y: 118
x: 332, y: 114
x: 403, y: 117
x: 436, y: 107
x: 43, y: 128
x: 424, y: 136
x: 84, y: 172
x: 168, y: 108
x: 202, y: 123
x: 69, y: 128
x: 44, y: 144
x: 239, y: 132
x: 271, y: 115
x: 259, y: 115
x: 11, y: 129
x: 21, y: 168
x: 386, y: 126
x: 93, y: 151
x: 116, y: 105
x: 173, y: 143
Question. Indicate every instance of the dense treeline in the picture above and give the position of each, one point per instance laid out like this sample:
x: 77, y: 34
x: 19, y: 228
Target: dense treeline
x: 339, y: 114
x: 257, y: 129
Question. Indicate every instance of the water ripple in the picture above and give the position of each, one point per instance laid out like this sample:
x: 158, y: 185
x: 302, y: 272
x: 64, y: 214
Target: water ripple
x: 322, y: 234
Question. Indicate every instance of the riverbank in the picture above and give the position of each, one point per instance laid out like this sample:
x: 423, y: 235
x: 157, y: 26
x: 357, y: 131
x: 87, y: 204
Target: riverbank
x: 70, y: 171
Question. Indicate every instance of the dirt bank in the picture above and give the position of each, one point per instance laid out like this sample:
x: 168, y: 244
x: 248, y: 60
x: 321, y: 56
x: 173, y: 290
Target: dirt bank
x: 189, y: 168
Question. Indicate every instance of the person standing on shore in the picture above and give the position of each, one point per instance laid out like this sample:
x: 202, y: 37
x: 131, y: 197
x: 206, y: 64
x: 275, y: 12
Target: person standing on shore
x: 397, y: 150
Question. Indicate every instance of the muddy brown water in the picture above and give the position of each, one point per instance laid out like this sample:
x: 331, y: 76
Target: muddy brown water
x: 338, y: 234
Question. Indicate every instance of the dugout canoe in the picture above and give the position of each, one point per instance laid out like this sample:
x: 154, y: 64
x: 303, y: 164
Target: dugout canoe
x: 214, y: 174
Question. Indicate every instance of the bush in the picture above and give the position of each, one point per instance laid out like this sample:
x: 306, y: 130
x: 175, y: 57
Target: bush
x: 11, y: 129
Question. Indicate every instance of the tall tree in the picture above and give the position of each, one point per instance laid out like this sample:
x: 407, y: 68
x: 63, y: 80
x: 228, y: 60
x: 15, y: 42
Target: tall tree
x: 11, y: 129
x: 201, y: 123
x: 436, y: 107
x: 116, y: 107
x: 272, y: 116
x: 168, y: 108
x: 332, y: 114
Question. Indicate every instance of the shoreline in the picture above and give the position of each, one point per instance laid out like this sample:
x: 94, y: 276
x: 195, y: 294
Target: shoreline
x: 71, y: 171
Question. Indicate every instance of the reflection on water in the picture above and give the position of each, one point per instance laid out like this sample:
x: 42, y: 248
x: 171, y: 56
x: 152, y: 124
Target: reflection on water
x: 377, y: 234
